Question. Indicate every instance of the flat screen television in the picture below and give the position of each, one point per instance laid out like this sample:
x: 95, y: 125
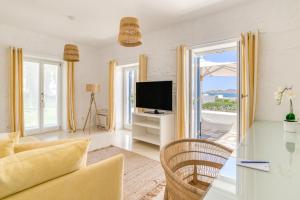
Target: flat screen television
x: 155, y: 95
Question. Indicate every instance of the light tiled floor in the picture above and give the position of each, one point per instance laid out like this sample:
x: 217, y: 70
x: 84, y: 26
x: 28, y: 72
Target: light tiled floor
x: 123, y: 139
x: 100, y: 139
x: 228, y: 139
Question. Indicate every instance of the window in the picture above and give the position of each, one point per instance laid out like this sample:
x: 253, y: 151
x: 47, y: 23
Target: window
x: 130, y: 78
x: 42, y: 95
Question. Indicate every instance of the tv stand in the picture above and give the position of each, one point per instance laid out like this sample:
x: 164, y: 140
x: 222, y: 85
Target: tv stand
x: 154, y: 112
x: 153, y: 128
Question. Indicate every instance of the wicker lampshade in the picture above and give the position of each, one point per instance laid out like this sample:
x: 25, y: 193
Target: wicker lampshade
x: 130, y: 34
x: 94, y: 88
x: 71, y: 53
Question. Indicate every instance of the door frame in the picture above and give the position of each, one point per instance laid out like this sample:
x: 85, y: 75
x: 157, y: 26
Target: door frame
x: 125, y: 87
x: 191, y: 63
x: 41, y: 63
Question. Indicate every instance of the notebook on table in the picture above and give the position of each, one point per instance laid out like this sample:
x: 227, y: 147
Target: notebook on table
x: 257, y: 165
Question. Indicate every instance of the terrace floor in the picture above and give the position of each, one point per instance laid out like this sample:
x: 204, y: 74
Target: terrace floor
x: 228, y: 139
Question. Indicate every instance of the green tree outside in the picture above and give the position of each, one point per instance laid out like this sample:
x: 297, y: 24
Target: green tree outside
x: 223, y: 105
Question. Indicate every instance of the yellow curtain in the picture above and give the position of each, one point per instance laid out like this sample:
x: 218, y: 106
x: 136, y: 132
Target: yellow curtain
x: 71, y: 113
x: 143, y: 62
x: 12, y: 90
x: 111, y: 95
x: 181, y: 95
x: 20, y: 91
x: 143, y: 65
x: 16, y: 107
x: 249, y: 67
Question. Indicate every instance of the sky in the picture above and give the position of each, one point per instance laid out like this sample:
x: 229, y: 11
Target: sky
x: 220, y: 82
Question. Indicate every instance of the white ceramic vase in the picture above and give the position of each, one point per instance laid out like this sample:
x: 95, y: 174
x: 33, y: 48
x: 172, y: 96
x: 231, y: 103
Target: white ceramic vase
x: 290, y: 127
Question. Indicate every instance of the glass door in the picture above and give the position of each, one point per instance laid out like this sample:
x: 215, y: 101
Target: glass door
x: 42, y: 102
x: 31, y: 95
x: 51, y: 95
x: 130, y: 78
x: 196, y: 97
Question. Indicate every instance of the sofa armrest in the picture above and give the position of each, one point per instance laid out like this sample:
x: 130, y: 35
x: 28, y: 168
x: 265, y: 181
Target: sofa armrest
x: 99, y: 181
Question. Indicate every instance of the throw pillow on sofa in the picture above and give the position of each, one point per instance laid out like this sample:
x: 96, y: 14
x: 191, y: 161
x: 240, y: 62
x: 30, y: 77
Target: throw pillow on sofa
x: 26, y: 169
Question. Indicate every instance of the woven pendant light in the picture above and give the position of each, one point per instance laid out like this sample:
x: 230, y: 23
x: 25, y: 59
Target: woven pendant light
x: 71, y: 53
x: 130, y: 35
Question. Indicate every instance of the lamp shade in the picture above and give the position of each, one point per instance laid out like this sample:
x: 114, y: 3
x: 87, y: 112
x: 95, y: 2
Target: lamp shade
x: 71, y: 53
x: 92, y: 88
x: 130, y: 34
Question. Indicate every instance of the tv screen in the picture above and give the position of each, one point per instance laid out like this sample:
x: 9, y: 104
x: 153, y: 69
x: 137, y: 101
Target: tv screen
x: 154, y: 95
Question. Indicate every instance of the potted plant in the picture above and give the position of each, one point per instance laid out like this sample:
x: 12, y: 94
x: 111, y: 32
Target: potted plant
x: 290, y: 123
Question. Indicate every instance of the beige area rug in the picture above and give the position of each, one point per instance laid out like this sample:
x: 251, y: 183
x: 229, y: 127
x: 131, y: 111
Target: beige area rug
x: 143, y: 177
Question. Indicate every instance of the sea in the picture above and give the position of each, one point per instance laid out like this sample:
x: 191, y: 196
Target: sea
x: 228, y: 95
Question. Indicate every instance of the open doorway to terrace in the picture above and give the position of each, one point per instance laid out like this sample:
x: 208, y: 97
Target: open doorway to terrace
x: 214, y: 93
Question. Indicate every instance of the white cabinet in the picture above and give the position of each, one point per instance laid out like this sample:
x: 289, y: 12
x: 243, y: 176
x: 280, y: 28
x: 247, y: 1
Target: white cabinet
x: 158, y: 129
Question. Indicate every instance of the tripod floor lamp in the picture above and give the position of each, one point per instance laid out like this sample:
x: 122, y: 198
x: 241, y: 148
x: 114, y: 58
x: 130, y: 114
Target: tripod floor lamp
x: 92, y: 88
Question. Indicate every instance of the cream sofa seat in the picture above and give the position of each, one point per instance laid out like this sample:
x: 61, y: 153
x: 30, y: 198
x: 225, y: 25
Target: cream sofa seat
x: 100, y: 181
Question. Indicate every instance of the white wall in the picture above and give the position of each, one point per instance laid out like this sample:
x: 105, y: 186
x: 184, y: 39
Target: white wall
x: 34, y: 44
x: 279, y: 23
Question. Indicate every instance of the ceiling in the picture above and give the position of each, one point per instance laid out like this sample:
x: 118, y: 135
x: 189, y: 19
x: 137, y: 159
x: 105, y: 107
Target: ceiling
x: 96, y: 22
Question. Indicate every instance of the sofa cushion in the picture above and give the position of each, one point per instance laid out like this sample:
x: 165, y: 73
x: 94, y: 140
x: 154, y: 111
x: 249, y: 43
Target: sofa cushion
x: 41, y: 144
x: 99, y: 181
x: 6, y: 147
x: 30, y: 168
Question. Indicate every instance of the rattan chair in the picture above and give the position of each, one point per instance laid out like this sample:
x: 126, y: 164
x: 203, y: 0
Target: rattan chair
x: 190, y: 167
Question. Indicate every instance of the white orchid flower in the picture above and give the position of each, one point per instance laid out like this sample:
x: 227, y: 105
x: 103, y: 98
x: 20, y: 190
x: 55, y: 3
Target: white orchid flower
x: 290, y: 94
x: 280, y: 89
x: 278, y: 96
x: 280, y: 92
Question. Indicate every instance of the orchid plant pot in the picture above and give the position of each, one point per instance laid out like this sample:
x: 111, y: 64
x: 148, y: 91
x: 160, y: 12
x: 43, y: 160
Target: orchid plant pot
x: 290, y: 124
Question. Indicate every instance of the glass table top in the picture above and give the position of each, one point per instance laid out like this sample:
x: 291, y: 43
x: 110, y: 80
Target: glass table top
x: 265, y: 141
